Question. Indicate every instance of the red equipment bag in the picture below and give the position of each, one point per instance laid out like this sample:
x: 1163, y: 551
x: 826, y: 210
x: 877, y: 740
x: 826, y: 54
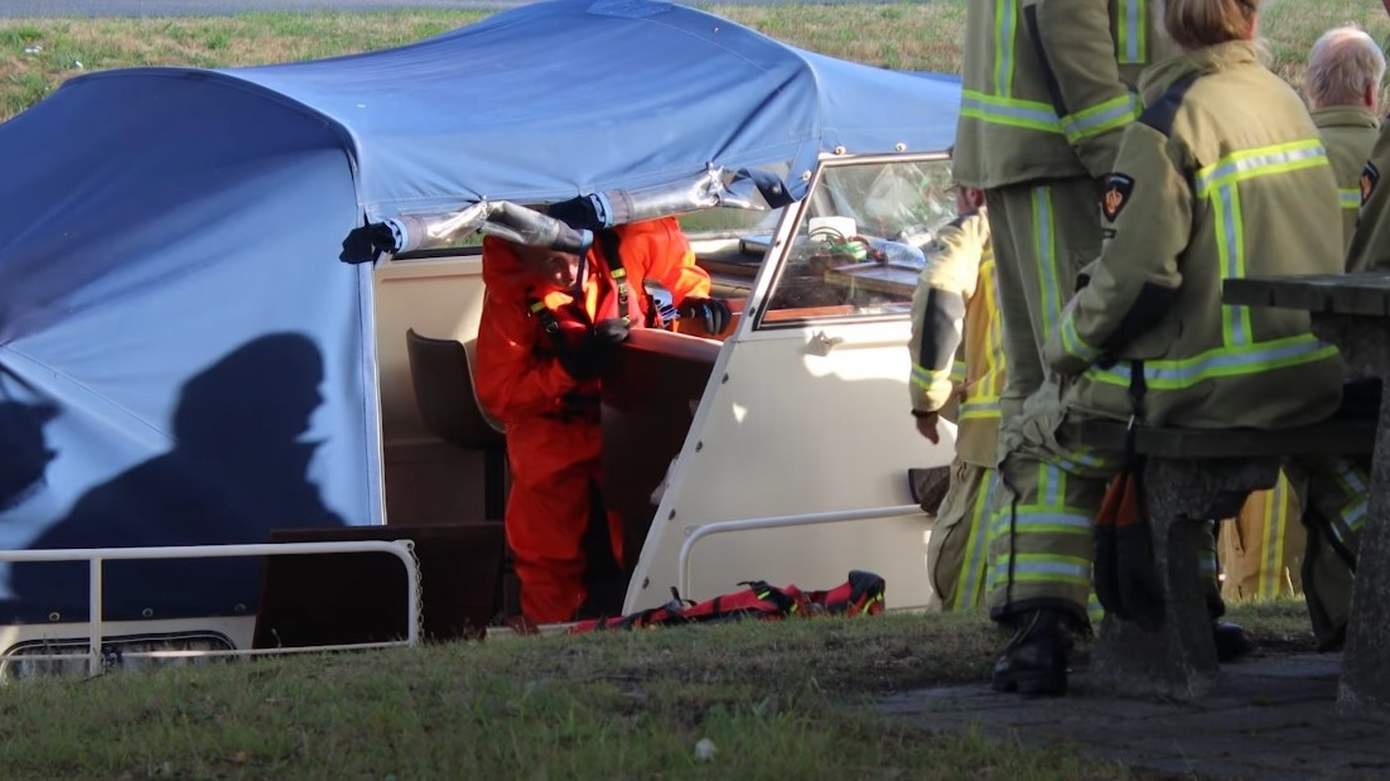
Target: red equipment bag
x: 861, y: 595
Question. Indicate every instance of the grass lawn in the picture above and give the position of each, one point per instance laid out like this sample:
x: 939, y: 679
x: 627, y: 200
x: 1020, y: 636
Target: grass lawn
x: 919, y: 36
x: 777, y: 701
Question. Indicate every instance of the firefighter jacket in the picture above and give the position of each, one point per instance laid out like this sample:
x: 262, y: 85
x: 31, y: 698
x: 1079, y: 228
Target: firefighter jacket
x: 1348, y: 132
x: 1370, y: 244
x: 1048, y: 86
x: 956, y: 289
x: 1202, y: 193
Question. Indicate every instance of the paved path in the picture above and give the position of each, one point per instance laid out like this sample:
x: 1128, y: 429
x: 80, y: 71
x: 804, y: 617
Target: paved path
x: 50, y: 8
x: 1270, y: 718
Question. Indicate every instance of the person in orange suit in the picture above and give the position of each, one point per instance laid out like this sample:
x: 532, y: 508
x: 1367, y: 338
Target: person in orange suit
x: 550, y: 323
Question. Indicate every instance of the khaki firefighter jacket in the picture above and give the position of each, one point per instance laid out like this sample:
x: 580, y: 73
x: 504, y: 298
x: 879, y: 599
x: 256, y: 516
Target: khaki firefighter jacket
x: 1203, y: 193
x: 1370, y: 244
x: 1048, y: 86
x: 1349, y: 133
x: 957, y: 289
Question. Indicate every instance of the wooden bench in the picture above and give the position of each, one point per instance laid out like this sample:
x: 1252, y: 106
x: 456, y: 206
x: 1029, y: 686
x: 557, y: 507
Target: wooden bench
x: 1191, y: 477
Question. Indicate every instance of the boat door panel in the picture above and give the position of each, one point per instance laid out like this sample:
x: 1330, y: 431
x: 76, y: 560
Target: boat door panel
x: 807, y: 412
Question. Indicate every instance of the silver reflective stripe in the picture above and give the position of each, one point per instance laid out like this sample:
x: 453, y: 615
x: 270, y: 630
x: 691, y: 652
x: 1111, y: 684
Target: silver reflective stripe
x: 1214, y: 363
x: 1134, y: 12
x: 999, y: 109
x: 979, y: 544
x: 1355, y: 516
x: 1006, y: 17
x: 1252, y: 163
x: 1237, y: 316
x: 1123, y: 110
x: 1078, y: 522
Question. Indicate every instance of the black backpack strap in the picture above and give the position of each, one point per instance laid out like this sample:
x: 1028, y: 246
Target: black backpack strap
x: 1138, y: 389
x: 609, y: 242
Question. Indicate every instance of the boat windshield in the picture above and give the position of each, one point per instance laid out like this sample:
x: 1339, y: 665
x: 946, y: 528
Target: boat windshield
x: 859, y: 243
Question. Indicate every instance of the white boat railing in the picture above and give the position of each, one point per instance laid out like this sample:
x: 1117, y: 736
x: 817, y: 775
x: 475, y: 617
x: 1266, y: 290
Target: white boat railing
x: 404, y: 550
x: 694, y: 534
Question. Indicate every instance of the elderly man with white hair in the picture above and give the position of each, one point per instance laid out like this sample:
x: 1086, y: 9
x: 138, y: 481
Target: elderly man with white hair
x: 1343, y: 90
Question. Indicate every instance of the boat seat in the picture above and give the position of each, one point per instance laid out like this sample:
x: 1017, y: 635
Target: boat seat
x: 443, y: 380
x: 649, y: 401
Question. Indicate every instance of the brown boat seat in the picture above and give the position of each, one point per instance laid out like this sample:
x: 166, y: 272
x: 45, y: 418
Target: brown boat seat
x: 649, y: 402
x: 443, y: 380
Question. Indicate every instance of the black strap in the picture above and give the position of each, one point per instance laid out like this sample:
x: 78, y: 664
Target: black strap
x: 608, y: 240
x: 1138, y: 389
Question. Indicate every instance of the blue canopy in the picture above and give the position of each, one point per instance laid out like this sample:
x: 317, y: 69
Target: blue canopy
x: 183, y: 359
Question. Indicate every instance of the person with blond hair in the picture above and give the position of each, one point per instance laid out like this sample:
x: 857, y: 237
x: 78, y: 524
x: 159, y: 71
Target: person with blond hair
x: 1198, y: 193
x: 1262, y: 550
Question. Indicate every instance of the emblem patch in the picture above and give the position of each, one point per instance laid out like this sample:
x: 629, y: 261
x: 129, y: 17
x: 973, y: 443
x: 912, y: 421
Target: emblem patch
x: 1117, y: 190
x: 1370, y: 177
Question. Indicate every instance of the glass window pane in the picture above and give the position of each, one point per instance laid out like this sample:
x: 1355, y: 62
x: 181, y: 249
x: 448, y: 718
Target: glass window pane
x: 858, y: 248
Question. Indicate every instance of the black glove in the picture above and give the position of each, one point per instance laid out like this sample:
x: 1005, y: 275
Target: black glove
x: 579, y: 213
x: 594, y: 355
x: 367, y: 243
x: 714, y: 313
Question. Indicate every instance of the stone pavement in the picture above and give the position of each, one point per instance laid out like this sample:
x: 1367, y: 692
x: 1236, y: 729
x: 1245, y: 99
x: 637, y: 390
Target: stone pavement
x: 1273, y: 717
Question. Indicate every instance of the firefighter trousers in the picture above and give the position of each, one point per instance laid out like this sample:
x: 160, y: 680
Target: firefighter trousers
x: 1049, y: 494
x: 1043, y: 233
x: 958, y: 551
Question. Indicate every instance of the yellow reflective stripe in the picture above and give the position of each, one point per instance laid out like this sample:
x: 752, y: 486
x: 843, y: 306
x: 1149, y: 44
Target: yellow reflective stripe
x: 1104, y: 117
x: 1230, y: 246
x: 924, y: 377
x: 1045, y: 254
x: 1029, y: 114
x: 972, y: 569
x: 1276, y: 516
x: 1349, y: 198
x: 958, y: 372
x: 1222, y: 361
x: 1074, y: 344
x: 979, y: 410
x: 1041, y: 568
x: 1261, y: 161
x: 1005, y: 35
x: 1132, y: 43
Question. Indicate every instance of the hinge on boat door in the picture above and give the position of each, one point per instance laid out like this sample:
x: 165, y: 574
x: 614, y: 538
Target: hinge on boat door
x: 822, y: 343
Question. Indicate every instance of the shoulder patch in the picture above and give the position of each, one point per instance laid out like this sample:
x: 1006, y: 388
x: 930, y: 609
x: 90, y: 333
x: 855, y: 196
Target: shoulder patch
x: 1162, y: 112
x: 1117, y: 190
x: 1370, y: 177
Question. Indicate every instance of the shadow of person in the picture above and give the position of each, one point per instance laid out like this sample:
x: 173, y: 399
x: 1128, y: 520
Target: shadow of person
x: 238, y: 468
x: 24, y: 454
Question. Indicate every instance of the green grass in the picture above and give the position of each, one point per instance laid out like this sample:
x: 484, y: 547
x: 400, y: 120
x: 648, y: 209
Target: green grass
x: 918, y: 36
x: 777, y: 700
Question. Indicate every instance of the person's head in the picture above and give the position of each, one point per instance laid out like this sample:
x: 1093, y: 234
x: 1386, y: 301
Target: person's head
x: 1345, y: 69
x: 562, y: 267
x: 972, y: 199
x: 1196, y: 24
x: 27, y: 454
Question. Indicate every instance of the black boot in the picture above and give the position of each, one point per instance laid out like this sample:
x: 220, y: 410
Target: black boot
x: 1034, y: 663
x: 1231, y: 641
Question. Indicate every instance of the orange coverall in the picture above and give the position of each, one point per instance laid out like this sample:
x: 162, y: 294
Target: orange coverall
x: 553, y: 434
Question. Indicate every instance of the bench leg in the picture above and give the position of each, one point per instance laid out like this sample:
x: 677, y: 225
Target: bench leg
x: 1179, y: 660
x: 1365, y: 686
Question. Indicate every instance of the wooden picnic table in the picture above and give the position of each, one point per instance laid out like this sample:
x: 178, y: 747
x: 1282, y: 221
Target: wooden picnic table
x: 1352, y: 311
